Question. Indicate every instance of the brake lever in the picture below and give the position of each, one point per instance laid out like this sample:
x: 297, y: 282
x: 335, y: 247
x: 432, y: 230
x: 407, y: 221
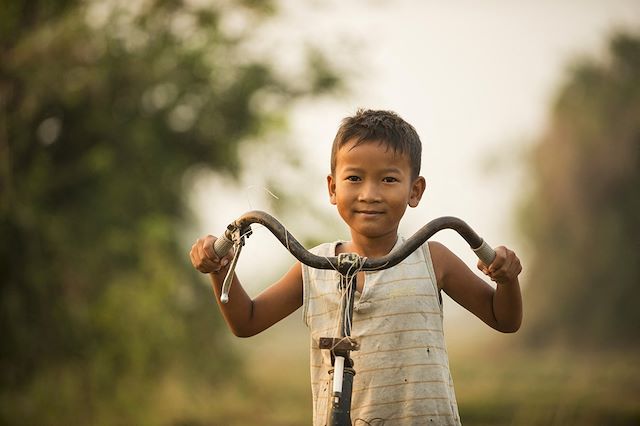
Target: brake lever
x: 238, y: 239
x: 226, y: 285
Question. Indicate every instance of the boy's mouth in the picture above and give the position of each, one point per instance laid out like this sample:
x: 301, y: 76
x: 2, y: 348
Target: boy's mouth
x: 368, y: 212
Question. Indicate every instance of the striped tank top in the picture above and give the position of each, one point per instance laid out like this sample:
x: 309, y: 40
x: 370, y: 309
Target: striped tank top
x: 402, y: 368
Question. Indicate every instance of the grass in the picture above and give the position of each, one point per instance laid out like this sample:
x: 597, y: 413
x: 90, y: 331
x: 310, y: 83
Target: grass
x: 494, y: 385
x: 548, y: 388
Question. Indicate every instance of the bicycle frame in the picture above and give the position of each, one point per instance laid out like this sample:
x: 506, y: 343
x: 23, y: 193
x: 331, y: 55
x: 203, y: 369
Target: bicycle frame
x: 341, y: 346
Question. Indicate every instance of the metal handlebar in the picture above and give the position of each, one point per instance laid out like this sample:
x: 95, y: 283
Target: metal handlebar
x: 241, y: 228
x: 342, y: 372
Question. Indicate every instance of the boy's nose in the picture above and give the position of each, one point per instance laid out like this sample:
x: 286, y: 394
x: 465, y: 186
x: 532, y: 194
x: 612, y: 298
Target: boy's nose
x: 369, y: 193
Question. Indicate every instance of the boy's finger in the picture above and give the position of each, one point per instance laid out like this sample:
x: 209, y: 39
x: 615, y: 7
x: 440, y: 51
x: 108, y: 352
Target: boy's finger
x: 201, y: 253
x: 210, y: 266
x: 483, y: 268
x: 506, y: 264
x: 192, y: 257
x: 512, y: 261
x: 196, y: 255
x: 208, y: 247
x: 499, y: 260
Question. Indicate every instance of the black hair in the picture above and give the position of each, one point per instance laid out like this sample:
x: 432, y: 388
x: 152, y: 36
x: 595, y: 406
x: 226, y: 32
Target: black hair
x: 385, y: 127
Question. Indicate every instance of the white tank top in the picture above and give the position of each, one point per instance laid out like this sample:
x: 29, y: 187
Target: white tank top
x: 402, y: 368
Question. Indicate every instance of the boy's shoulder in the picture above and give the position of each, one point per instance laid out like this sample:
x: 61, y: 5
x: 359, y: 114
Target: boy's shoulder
x: 439, y: 254
x: 436, y: 247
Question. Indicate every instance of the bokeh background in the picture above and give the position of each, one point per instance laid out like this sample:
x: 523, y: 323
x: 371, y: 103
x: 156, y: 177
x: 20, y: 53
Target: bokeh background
x: 129, y: 128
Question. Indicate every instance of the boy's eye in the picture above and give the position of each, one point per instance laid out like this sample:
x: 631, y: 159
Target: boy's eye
x: 389, y: 179
x: 353, y: 178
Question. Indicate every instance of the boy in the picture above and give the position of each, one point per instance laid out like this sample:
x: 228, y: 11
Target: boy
x: 402, y: 365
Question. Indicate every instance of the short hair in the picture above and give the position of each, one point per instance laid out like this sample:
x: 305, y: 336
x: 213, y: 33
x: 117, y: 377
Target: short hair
x: 386, y: 127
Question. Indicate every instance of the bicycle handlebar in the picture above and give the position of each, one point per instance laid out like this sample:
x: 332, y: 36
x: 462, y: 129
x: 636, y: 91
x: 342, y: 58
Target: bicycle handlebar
x: 241, y: 227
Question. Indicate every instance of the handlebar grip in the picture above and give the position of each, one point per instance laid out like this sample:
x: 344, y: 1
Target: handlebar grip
x: 485, y: 253
x: 222, y: 245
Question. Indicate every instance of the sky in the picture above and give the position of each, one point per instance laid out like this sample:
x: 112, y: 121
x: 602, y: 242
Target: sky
x: 475, y: 79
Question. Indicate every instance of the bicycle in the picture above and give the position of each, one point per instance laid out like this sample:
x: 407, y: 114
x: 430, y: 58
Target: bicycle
x: 347, y: 264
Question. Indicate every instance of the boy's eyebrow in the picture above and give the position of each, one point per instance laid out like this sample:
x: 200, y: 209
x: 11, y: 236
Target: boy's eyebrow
x: 351, y: 169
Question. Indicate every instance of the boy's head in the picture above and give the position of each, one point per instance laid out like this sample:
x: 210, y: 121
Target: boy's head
x: 375, y: 166
x: 385, y: 127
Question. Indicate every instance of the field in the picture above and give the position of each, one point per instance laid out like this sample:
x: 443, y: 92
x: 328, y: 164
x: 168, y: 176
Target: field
x: 494, y: 386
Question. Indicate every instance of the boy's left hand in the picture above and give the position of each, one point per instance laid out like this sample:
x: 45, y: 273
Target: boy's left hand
x: 504, y: 269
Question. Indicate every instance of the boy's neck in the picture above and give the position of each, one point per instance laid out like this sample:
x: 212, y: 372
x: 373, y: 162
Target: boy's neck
x: 372, y: 248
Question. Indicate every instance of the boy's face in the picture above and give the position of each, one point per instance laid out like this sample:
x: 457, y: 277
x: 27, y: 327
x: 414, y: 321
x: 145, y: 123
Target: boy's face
x: 372, y: 187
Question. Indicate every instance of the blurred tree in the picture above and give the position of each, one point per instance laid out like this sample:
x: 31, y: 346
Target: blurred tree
x: 582, y: 218
x: 105, y: 107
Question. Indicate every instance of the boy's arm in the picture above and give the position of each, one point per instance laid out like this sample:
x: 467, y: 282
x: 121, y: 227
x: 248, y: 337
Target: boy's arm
x: 500, y: 308
x: 244, y: 316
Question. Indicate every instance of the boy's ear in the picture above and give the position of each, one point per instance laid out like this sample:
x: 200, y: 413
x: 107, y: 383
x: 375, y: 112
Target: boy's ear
x: 417, y: 189
x: 331, y: 185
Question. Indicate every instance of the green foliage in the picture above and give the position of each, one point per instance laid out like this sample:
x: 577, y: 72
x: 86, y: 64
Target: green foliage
x: 104, y: 110
x: 582, y: 217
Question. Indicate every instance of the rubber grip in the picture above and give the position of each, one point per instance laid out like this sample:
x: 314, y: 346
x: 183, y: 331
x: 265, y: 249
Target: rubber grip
x: 485, y: 253
x: 222, y: 245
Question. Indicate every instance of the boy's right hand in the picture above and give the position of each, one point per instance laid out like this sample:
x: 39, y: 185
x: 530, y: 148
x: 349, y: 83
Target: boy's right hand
x: 204, y: 258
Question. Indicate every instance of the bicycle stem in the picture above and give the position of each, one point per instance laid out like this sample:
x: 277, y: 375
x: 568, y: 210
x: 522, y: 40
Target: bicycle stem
x: 340, y: 404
